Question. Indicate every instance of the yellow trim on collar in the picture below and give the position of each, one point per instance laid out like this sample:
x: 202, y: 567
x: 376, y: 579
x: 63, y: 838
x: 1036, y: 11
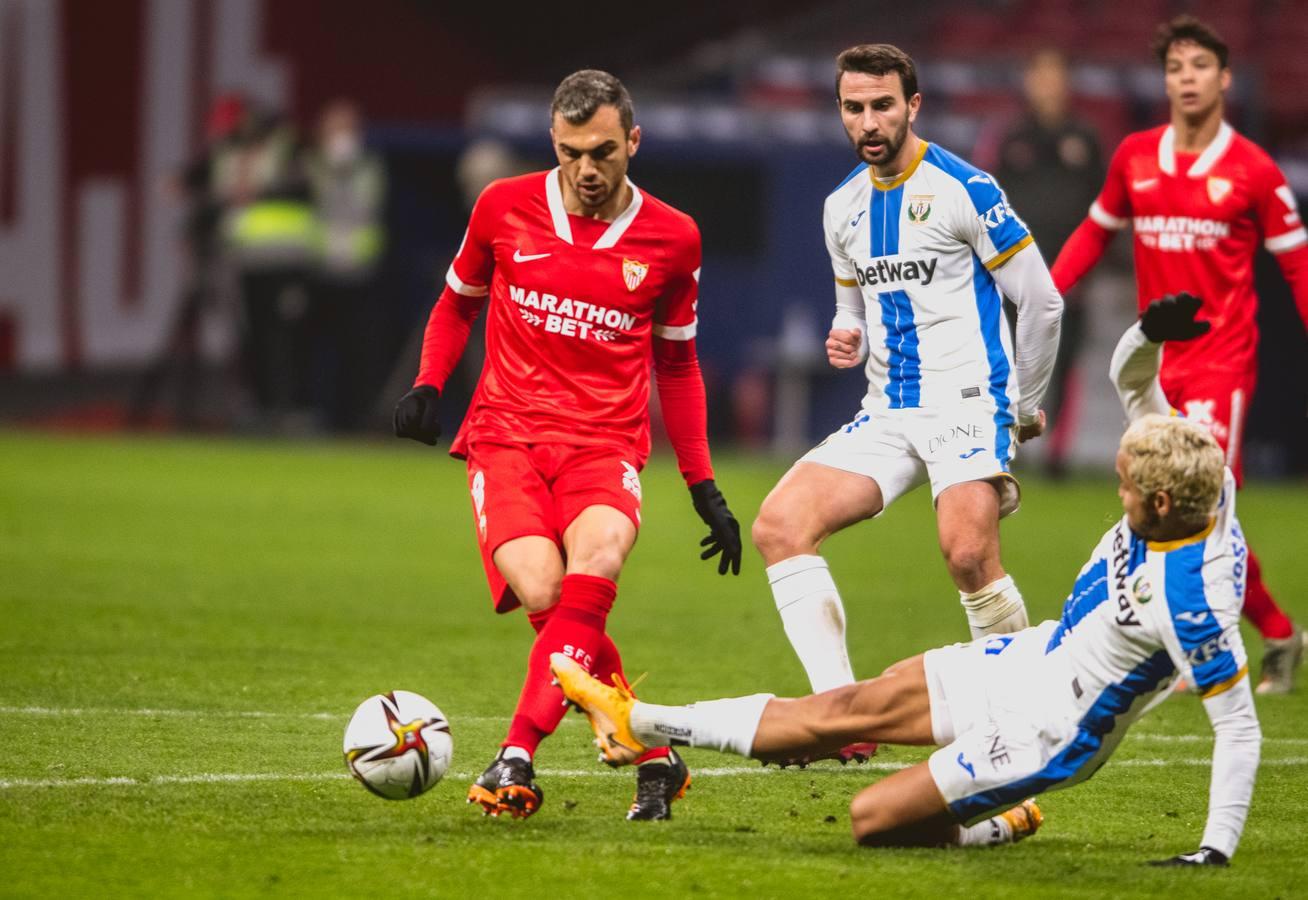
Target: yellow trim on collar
x: 846, y: 282
x: 1227, y: 684
x: 997, y: 261
x: 904, y: 175
x: 1165, y: 546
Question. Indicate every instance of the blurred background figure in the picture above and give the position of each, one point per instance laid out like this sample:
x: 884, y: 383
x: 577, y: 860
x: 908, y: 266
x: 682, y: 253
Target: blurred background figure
x: 348, y: 188
x: 195, y: 187
x: 1051, y: 165
x: 271, y: 236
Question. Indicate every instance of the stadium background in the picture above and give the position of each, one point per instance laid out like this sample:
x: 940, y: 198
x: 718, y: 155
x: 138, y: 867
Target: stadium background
x: 102, y: 101
x: 187, y: 617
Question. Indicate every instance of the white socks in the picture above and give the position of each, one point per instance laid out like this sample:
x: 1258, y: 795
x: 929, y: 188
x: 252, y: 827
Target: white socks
x: 814, y: 619
x: 995, y: 609
x: 986, y: 834
x: 727, y: 726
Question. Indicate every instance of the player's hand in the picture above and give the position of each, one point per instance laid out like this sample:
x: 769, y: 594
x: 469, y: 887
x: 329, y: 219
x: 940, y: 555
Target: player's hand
x: 724, y: 530
x: 415, y: 415
x: 1032, y: 430
x: 1172, y: 318
x: 1204, y: 856
x: 844, y: 347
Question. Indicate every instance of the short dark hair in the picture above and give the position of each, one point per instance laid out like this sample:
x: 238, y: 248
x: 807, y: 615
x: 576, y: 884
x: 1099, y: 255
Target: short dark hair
x: 581, y: 94
x: 878, y: 59
x: 1188, y: 29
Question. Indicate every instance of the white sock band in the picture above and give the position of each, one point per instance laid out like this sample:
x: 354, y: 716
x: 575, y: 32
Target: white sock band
x: 995, y: 609
x: 814, y: 619
x: 727, y: 726
x: 985, y: 834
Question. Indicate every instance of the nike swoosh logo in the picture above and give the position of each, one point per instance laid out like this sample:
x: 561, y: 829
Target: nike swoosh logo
x: 520, y: 257
x: 1144, y: 184
x: 971, y: 453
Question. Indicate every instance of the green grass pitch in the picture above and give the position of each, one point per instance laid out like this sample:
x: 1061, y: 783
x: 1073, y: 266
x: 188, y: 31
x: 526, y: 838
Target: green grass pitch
x: 185, y: 627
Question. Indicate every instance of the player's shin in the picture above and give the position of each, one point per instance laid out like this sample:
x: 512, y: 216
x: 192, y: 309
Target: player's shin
x: 997, y: 608
x: 728, y: 726
x: 575, y: 627
x: 814, y: 619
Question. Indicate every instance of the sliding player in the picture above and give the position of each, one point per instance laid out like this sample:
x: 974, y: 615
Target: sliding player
x: 924, y: 248
x: 587, y: 278
x: 1200, y: 197
x: 1018, y: 714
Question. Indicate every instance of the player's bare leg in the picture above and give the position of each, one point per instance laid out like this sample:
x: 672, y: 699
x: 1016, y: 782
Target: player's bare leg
x: 905, y: 809
x: 809, y: 504
x: 967, y: 519
x: 533, y: 567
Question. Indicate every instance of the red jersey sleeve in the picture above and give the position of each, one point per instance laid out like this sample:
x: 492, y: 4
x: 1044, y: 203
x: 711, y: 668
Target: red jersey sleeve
x: 1277, y: 211
x: 467, y: 284
x: 1111, y: 210
x: 676, y: 365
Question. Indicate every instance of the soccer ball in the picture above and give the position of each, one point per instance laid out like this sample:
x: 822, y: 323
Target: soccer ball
x: 398, y: 745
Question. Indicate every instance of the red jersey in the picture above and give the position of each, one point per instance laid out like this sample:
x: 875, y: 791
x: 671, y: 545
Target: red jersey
x: 574, y: 305
x: 1197, y: 220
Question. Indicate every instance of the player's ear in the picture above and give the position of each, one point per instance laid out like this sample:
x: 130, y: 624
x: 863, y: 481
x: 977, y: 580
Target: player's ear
x: 633, y: 140
x: 1161, y: 501
x: 914, y: 104
x: 1224, y: 80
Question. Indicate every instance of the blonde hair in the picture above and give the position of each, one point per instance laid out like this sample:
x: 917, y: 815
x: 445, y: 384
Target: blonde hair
x: 1180, y: 458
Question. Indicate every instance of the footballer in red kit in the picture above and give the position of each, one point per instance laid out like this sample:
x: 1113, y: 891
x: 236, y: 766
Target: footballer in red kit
x: 1199, y: 198
x: 585, y: 280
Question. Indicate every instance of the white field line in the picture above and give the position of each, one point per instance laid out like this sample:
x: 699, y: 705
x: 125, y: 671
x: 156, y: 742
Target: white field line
x: 245, y: 778
x: 55, y: 711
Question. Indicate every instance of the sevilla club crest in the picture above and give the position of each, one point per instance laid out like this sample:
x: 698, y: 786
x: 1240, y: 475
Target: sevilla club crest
x: 1218, y: 188
x: 633, y: 273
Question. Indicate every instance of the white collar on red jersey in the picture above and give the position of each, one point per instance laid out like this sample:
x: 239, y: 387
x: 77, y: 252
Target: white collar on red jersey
x: 1212, y: 153
x: 617, y: 228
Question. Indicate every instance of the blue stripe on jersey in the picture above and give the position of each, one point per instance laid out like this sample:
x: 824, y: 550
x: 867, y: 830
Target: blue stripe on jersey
x: 990, y: 310
x: 904, y: 387
x: 1003, y: 227
x: 1090, y: 589
x: 1196, y: 625
x: 861, y: 167
x: 1072, y: 759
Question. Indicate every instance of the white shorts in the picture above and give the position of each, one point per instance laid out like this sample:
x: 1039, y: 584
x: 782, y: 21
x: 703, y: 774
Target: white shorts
x: 999, y: 744
x: 902, y: 448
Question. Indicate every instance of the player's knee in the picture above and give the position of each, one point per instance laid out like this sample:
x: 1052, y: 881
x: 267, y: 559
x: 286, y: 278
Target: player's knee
x: 603, y: 559
x: 869, y: 820
x: 776, y: 534
x: 968, y: 560
x: 539, y: 593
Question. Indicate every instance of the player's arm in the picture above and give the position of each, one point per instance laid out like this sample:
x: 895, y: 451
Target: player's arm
x: 1138, y: 357
x: 1284, y: 234
x: 685, y: 408
x: 1109, y: 214
x: 847, y: 340
x: 1212, y: 659
x: 1006, y: 248
x: 1025, y: 279
x: 467, y: 284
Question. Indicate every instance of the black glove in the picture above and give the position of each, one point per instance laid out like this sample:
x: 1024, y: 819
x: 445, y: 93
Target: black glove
x: 415, y: 415
x: 1172, y: 318
x: 1204, y: 856
x: 724, y: 530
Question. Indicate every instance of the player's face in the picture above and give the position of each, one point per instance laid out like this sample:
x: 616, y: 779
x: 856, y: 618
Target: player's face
x: 1194, y: 80
x: 1141, y: 513
x: 876, y: 115
x: 594, y: 155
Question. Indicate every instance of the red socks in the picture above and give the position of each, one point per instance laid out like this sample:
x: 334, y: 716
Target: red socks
x: 574, y: 626
x: 1259, y: 607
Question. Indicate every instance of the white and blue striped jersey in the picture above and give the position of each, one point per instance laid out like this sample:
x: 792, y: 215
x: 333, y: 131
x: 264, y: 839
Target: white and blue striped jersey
x: 921, y: 249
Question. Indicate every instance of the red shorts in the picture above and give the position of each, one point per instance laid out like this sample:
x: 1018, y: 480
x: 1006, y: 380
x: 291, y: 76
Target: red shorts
x: 524, y: 489
x: 1220, y: 402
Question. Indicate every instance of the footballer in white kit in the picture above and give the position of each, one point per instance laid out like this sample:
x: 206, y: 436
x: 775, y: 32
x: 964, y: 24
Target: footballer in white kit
x: 924, y: 248
x: 1015, y: 715
x: 915, y: 263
